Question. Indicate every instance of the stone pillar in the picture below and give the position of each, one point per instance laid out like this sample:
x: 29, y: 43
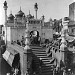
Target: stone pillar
x: 27, y: 54
x: 63, y: 46
x: 23, y: 62
x: 36, y: 8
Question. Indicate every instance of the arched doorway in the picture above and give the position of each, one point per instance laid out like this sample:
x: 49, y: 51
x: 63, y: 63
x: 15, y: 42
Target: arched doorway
x: 34, y: 36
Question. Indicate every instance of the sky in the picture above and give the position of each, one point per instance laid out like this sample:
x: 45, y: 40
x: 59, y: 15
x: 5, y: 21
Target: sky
x: 55, y: 9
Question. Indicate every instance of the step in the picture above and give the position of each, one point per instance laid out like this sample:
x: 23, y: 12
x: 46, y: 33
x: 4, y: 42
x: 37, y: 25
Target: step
x: 49, y: 73
x: 46, y: 66
x: 40, y: 54
x: 36, y: 47
x: 46, y: 70
x: 49, y: 64
x: 45, y: 60
x: 38, y: 50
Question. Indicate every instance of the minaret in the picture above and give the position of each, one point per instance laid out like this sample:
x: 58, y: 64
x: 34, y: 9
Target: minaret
x: 5, y: 8
x: 36, y: 8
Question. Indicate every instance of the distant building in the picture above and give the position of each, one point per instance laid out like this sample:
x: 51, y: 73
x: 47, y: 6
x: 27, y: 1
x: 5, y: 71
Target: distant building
x: 72, y: 11
x: 72, y: 19
x: 16, y: 26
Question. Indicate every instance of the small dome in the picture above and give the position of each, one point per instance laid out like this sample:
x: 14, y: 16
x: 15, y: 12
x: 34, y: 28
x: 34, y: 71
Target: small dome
x: 29, y: 16
x: 20, y: 13
x: 11, y: 16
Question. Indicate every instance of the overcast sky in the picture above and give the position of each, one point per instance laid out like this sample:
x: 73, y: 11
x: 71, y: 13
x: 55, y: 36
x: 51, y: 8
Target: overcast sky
x: 54, y: 9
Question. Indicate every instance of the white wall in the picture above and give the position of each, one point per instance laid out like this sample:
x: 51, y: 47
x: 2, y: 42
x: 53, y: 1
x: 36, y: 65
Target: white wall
x: 8, y: 34
x: 17, y: 33
x: 35, y: 27
x: 47, y: 33
x: 13, y: 34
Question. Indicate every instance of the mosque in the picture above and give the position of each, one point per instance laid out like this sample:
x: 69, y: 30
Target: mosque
x: 15, y: 26
x: 36, y: 59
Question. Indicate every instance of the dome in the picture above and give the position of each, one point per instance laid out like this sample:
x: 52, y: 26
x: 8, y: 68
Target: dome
x: 11, y: 16
x: 20, y: 13
x: 29, y: 15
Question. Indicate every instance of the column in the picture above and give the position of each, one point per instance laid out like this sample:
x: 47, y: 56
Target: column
x: 26, y: 56
x: 64, y: 34
x: 5, y: 26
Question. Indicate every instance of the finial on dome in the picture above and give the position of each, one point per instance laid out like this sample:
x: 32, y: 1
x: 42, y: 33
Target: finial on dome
x: 11, y: 12
x: 29, y: 11
x: 20, y: 8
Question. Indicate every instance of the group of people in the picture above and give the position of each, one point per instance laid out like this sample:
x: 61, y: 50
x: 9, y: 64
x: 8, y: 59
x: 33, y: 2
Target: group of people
x: 33, y: 41
x: 21, y: 43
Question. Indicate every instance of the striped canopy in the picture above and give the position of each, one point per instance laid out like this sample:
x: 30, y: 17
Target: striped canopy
x: 9, y: 55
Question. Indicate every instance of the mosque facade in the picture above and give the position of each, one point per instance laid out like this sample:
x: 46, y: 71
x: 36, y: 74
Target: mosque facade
x: 15, y: 26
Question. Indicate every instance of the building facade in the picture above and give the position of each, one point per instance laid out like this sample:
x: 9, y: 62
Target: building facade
x: 72, y: 11
x: 72, y: 19
x: 15, y: 26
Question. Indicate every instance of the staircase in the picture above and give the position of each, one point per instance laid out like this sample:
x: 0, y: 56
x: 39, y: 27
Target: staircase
x: 40, y: 53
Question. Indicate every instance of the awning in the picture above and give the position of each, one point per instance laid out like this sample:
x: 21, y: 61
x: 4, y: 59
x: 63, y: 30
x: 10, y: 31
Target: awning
x: 9, y: 55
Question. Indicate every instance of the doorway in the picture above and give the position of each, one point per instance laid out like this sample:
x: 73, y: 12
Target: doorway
x: 34, y: 37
